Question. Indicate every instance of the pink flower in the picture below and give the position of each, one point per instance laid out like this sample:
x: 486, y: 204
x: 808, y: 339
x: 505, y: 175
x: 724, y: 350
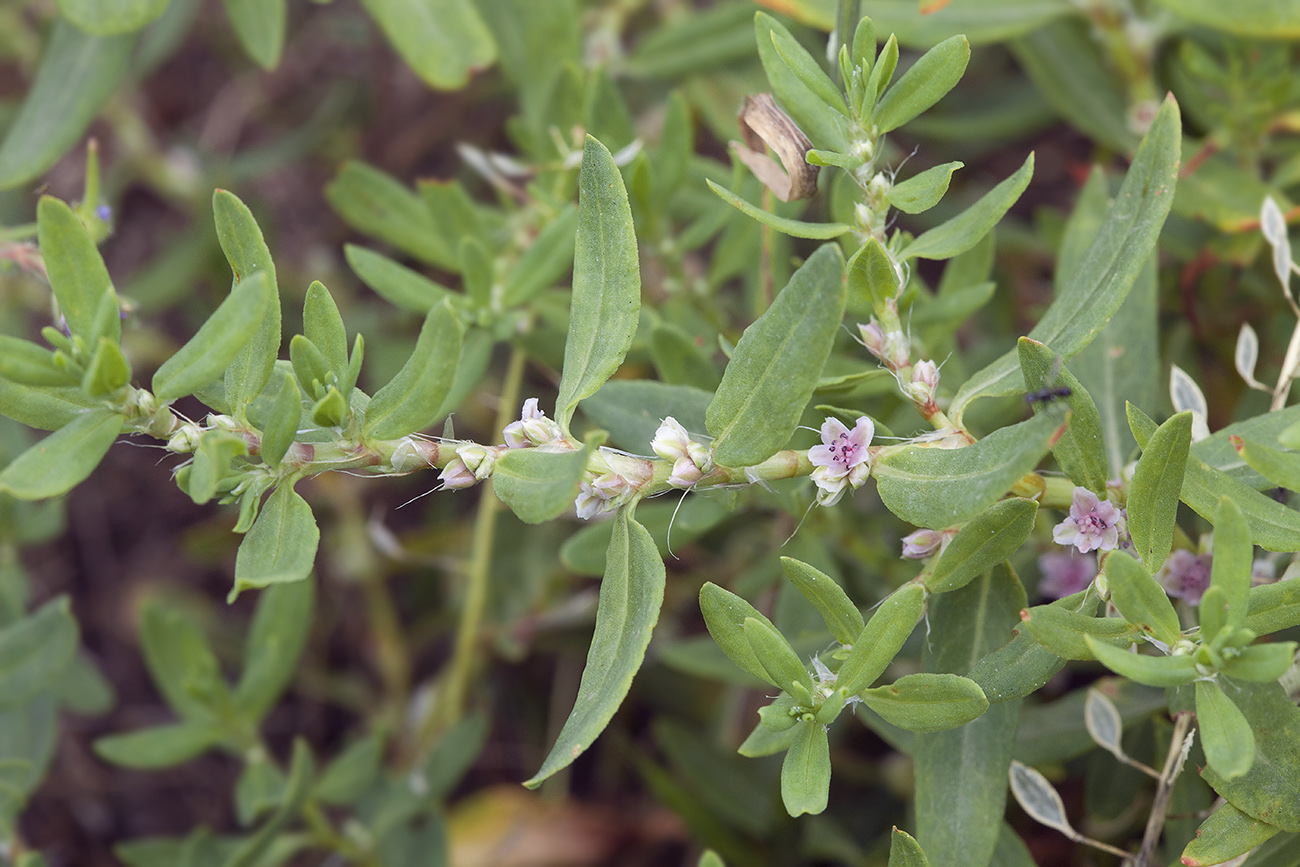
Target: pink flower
x: 843, y: 459
x: 532, y: 429
x: 1185, y: 575
x: 922, y: 543
x: 1065, y: 574
x: 1093, y: 524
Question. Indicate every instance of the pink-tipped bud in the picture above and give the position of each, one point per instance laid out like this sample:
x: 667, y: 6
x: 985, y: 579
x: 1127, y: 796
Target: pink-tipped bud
x: 456, y: 476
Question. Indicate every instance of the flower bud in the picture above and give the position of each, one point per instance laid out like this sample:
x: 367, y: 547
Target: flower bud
x: 477, y: 459
x: 872, y: 337
x: 406, y: 458
x: 456, y: 476
x: 185, y: 440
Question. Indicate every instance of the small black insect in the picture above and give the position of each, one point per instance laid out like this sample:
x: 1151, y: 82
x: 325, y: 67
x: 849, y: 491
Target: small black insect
x: 1047, y: 395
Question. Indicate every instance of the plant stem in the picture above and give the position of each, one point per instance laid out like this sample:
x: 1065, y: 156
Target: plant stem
x: 450, y: 705
x: 1168, y: 775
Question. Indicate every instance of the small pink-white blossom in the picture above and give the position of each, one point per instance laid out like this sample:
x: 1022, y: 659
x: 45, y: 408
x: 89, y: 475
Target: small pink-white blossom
x: 604, y: 493
x: 843, y: 459
x: 923, y: 543
x: 456, y: 475
x: 1186, y: 575
x: 532, y: 429
x: 1065, y: 573
x: 690, y: 459
x: 1093, y: 524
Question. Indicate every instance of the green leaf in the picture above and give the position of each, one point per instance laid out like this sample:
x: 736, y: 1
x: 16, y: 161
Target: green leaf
x: 77, y: 76
x: 881, y: 639
x: 413, y: 398
x: 35, y: 651
x: 1018, y: 668
x: 76, y: 270
x: 1270, y: 790
x: 981, y: 21
x: 826, y: 128
x: 873, y: 284
x: 904, y: 851
x: 961, y: 774
x: 1273, y: 607
x: 775, y: 366
x: 679, y: 360
x: 925, y: 83
x: 1081, y: 449
x: 1121, y: 364
x: 1153, y: 495
x: 725, y: 614
x: 964, y: 231
x: 160, y: 746
x: 1279, y: 467
x: 394, y: 282
x: 281, y: 546
x: 108, y: 370
x: 279, y: 631
x: 801, y: 63
x: 606, y: 282
x: 111, y: 17
x: 217, y: 346
x: 181, y: 661
x: 794, y: 228
x: 212, y: 462
x: 260, y: 26
x: 1098, y: 286
x: 282, y: 424
x: 1261, y: 663
x: 63, y: 459
x: 922, y: 191
x: 1226, y: 834
x: 928, y: 702
x: 1233, y: 560
x: 351, y: 773
x: 1225, y: 735
x: 986, y: 540
x: 443, y: 41
x: 1267, y: 19
x: 296, y: 790
x: 246, y: 251
x: 935, y: 487
x: 376, y: 204
x: 1273, y: 526
x: 806, y: 771
x: 778, y: 658
x: 1062, y: 631
x: 1150, y: 670
x: 1140, y: 598
x: 842, y: 617
x: 26, y: 363
x: 630, y: 597
x: 539, y: 485
x: 323, y: 326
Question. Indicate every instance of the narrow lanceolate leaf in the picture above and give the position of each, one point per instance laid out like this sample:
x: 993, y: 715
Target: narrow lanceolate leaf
x: 538, y: 485
x: 1233, y: 559
x: 282, y: 425
x: 924, y: 84
x: 1081, y: 450
x: 281, y: 546
x: 881, y: 639
x: 219, y: 341
x: 1157, y: 482
x: 1226, y: 834
x: 842, y: 617
x: 393, y: 281
x: 630, y: 597
x: 413, y: 398
x: 1270, y: 790
x: 323, y: 326
x: 160, y: 746
x: 1273, y: 526
x: 1225, y: 734
x: 922, y: 191
x: 725, y: 614
x: 63, y: 459
x: 260, y: 26
x: 806, y: 771
x: 873, y: 284
x: 932, y: 487
x: 1262, y: 663
x: 778, y: 658
x: 1150, y: 670
x: 1267, y: 19
x: 988, y: 539
x: 928, y: 702
x: 1279, y: 467
x: 606, y: 282
x: 77, y: 75
x: 75, y: 268
x: 1037, y: 797
x: 110, y: 17
x: 443, y: 41
x: 1063, y: 631
x: 246, y: 251
x: 275, y: 641
x: 965, y: 230
x: 1095, y: 290
x: 775, y: 366
x: 1140, y: 598
x: 961, y: 774
x: 786, y: 225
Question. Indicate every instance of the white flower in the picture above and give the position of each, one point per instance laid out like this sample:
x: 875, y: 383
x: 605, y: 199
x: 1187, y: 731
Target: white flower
x: 690, y: 459
x: 605, y: 493
x: 532, y: 429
